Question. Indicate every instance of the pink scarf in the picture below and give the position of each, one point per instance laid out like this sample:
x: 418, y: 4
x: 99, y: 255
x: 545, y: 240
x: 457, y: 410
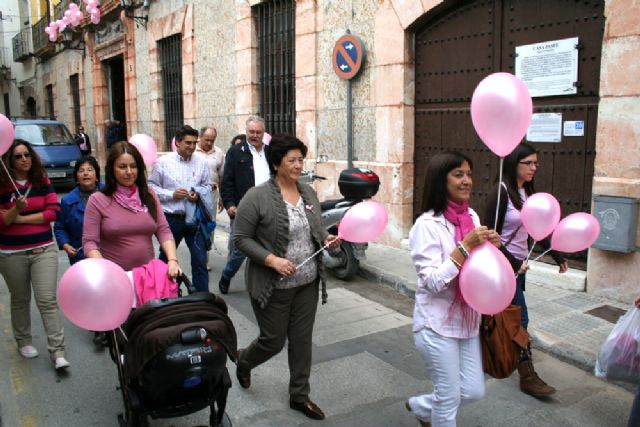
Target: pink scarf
x: 128, y: 198
x: 458, y: 215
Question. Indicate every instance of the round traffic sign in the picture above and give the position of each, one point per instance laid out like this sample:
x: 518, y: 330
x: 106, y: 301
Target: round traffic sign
x: 348, y: 56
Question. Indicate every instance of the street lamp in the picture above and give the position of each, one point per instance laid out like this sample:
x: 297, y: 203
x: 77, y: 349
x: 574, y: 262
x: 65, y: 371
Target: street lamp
x: 70, y: 40
x: 130, y: 6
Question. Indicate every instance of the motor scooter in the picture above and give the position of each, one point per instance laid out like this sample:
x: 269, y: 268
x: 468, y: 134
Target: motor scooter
x: 356, y: 185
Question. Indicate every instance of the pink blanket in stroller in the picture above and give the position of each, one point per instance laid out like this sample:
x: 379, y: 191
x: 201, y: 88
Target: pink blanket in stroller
x: 151, y: 282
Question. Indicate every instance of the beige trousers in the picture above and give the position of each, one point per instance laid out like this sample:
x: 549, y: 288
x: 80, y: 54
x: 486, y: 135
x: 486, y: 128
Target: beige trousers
x: 23, y: 272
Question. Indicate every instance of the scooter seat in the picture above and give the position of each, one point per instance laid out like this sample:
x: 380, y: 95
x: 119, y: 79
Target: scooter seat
x: 330, y: 204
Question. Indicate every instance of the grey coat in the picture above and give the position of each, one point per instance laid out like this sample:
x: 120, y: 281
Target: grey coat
x: 262, y: 227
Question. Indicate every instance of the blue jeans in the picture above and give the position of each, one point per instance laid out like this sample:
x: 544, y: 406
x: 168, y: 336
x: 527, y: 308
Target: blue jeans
x: 518, y: 299
x: 235, y: 260
x: 197, y: 249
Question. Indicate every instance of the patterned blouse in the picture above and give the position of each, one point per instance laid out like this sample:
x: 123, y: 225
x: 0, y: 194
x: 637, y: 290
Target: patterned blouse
x: 300, y: 248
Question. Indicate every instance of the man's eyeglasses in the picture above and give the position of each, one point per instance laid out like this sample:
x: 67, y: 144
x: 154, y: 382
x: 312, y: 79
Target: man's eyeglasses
x: 529, y: 163
x: 21, y: 155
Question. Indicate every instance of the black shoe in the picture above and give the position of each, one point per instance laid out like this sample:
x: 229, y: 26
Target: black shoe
x: 244, y: 377
x: 100, y: 338
x: 223, y: 285
x: 308, y: 408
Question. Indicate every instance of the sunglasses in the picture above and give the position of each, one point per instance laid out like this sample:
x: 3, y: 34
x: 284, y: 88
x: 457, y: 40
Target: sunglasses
x: 21, y: 155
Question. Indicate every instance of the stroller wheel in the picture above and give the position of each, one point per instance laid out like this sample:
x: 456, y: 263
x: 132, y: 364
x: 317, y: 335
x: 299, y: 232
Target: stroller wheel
x: 136, y: 419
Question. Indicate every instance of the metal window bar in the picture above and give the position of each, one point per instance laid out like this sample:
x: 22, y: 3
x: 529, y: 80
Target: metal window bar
x: 50, y: 109
x: 276, y: 68
x: 39, y: 37
x: 171, y: 71
x: 75, y: 96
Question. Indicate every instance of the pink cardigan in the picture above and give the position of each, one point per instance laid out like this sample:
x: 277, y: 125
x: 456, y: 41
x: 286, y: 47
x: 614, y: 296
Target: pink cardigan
x: 151, y: 282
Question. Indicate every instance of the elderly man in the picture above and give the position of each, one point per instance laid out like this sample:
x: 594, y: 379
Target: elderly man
x: 245, y: 166
x: 214, y: 156
x: 83, y: 142
x: 175, y: 179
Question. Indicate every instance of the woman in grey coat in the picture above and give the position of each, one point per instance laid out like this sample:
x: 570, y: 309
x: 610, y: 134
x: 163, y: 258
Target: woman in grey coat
x: 278, y: 226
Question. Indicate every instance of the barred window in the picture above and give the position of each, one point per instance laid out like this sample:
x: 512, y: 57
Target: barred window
x: 171, y: 70
x: 275, y: 22
x: 49, y: 101
x: 74, y: 82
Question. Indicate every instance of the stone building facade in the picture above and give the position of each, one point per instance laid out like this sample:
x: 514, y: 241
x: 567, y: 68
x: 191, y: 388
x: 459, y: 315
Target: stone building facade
x: 220, y: 87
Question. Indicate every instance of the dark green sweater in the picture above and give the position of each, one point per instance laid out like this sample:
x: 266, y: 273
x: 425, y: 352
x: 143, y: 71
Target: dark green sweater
x: 261, y: 228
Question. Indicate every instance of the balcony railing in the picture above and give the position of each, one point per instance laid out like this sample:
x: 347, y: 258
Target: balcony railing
x: 42, y: 47
x: 22, y: 45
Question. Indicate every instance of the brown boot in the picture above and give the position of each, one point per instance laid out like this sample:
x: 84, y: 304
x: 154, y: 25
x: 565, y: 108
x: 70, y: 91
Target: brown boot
x: 530, y: 382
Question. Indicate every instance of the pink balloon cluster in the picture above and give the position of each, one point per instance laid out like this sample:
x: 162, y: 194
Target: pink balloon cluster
x: 7, y: 133
x: 501, y: 110
x: 72, y: 17
x: 93, y: 9
x: 146, y: 146
x: 364, y: 222
x: 95, y: 294
x: 541, y: 217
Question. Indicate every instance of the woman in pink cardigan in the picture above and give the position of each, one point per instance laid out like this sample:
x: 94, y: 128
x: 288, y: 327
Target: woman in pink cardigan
x: 120, y: 220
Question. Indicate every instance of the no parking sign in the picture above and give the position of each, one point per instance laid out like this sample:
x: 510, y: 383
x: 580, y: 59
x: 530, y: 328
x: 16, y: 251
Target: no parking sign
x: 348, y: 56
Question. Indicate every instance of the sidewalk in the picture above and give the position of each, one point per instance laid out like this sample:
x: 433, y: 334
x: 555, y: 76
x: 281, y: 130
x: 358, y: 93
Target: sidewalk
x: 564, y: 321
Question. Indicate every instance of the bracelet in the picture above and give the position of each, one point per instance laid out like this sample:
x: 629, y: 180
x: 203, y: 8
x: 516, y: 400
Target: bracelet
x: 173, y: 259
x: 463, y: 250
x: 455, y: 262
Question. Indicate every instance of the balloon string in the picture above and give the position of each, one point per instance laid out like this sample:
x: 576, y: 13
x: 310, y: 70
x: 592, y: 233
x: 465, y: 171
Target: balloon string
x: 316, y: 253
x: 529, y: 254
x: 11, y: 179
x: 542, y: 254
x: 495, y: 223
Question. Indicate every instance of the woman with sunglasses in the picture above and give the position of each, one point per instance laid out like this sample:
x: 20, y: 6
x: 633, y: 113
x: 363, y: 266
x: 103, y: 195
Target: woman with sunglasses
x: 28, y: 256
x: 519, y: 171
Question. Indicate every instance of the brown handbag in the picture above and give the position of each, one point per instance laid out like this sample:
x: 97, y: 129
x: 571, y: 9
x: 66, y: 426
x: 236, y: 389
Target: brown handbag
x: 503, y: 340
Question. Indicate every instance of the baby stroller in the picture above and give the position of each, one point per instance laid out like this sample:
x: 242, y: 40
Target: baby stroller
x: 171, y: 355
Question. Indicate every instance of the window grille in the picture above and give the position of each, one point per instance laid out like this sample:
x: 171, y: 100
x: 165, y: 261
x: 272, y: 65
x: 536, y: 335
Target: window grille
x: 7, y: 105
x: 171, y: 69
x: 50, y: 110
x: 275, y: 22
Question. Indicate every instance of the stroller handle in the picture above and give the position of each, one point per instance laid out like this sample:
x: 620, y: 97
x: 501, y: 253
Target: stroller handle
x: 183, y: 279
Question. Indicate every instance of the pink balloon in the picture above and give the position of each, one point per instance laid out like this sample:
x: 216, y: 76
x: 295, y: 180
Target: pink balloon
x: 53, y: 37
x: 486, y: 280
x: 7, y: 134
x: 266, y: 139
x: 501, y: 110
x: 95, y: 18
x: 95, y: 294
x: 92, y: 3
x: 78, y: 15
x: 66, y: 20
x: 73, y: 7
x: 147, y: 147
x: 575, y: 233
x: 173, y: 144
x: 540, y: 215
x: 363, y: 223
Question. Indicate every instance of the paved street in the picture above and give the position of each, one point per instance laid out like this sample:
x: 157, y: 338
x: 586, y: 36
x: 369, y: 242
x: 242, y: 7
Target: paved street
x: 365, y: 366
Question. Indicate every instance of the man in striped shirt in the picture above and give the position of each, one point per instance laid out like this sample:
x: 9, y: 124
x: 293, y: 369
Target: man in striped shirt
x: 173, y: 178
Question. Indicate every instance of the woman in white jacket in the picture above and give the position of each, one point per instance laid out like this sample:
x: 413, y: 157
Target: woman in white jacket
x: 445, y: 327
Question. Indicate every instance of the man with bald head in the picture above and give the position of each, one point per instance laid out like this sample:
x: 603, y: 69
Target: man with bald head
x: 214, y: 156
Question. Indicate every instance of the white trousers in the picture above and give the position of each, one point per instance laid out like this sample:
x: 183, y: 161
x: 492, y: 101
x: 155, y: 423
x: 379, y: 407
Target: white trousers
x: 455, y: 368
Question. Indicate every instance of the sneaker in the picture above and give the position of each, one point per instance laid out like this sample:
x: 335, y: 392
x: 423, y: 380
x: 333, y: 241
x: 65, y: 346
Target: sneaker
x: 61, y: 363
x: 28, y: 351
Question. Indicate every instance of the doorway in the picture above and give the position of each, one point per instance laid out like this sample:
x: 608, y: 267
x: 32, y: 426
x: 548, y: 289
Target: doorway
x: 116, y: 90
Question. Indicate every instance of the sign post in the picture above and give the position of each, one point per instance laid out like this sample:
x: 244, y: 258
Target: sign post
x: 348, y: 56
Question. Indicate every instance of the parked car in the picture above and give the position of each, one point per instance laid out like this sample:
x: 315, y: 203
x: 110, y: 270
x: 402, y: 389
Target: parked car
x: 54, y: 144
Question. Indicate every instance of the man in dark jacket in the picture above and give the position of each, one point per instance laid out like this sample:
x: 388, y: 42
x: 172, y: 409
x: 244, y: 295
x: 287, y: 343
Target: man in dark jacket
x: 82, y: 139
x: 245, y: 166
